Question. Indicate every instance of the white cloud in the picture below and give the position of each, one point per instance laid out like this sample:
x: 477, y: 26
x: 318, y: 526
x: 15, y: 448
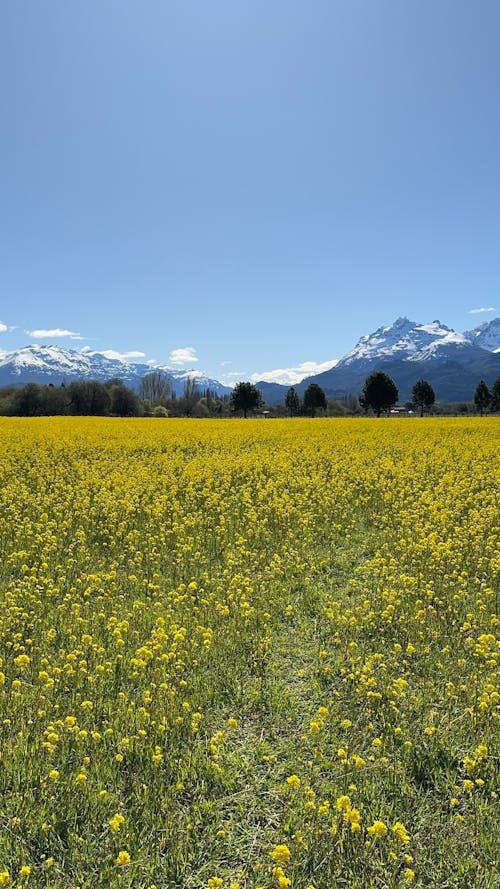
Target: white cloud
x: 121, y: 356
x: 289, y: 376
x: 479, y: 311
x: 54, y: 332
x: 185, y: 355
x: 3, y: 327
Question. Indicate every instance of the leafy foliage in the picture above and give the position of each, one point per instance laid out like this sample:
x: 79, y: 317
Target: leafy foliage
x: 314, y: 399
x: 245, y: 397
x: 423, y: 395
x: 380, y: 393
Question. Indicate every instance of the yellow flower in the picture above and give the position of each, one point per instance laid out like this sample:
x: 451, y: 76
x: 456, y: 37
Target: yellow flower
x: 54, y: 775
x: 115, y: 822
x: 215, y: 883
x: 281, y: 854
x: 400, y: 830
x: 293, y: 781
x: 343, y: 804
x: 81, y: 778
x: 123, y: 858
x: 4, y: 877
x: 377, y: 829
x: 21, y: 661
x: 353, y: 817
x: 409, y: 874
x: 25, y: 871
x: 232, y: 722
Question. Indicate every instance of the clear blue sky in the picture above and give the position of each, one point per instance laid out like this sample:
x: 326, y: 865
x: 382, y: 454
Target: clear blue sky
x: 262, y: 181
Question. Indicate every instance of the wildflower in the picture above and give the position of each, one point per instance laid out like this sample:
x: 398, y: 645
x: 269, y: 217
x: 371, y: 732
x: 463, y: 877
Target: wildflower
x: 54, y: 775
x: 281, y: 854
x: 4, y: 877
x: 115, y: 822
x: 409, y: 874
x: 81, y: 778
x: 353, y: 817
x: 21, y: 661
x: 377, y: 829
x: 283, y: 880
x: 293, y: 781
x: 343, y: 804
x: 215, y: 883
x: 123, y: 858
x: 232, y: 722
x: 400, y: 830
x: 25, y: 871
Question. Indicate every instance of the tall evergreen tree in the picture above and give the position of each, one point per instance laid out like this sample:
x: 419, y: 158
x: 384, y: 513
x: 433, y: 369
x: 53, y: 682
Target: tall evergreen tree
x: 423, y: 395
x: 482, y: 397
x: 292, y: 402
x: 495, y: 396
x: 314, y: 399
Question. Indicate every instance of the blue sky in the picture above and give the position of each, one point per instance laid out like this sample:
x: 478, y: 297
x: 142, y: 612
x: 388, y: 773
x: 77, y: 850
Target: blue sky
x: 246, y: 185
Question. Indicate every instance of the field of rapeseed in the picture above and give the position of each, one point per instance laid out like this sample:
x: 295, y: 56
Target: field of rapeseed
x: 249, y: 654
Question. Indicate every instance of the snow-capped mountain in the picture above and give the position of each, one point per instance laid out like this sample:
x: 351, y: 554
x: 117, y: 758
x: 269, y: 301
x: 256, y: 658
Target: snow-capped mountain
x: 407, y: 340
x: 453, y: 363
x: 487, y: 335
x: 53, y: 364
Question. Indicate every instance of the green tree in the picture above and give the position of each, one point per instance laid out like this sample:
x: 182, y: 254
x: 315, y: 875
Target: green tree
x: 292, y: 402
x: 124, y: 402
x: 155, y: 387
x: 245, y: 397
x: 314, y: 399
x: 495, y: 396
x: 88, y: 398
x: 482, y: 397
x: 379, y: 393
x: 423, y: 395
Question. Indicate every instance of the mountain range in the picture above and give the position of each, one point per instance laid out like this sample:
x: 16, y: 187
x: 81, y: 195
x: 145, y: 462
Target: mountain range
x: 53, y: 364
x: 453, y: 363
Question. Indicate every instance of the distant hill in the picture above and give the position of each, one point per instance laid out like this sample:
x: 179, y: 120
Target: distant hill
x: 453, y: 363
x: 52, y: 364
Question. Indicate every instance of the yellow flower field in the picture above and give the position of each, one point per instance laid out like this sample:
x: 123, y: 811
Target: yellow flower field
x: 249, y: 653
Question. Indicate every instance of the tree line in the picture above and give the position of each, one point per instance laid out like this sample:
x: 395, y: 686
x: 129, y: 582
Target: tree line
x: 157, y: 398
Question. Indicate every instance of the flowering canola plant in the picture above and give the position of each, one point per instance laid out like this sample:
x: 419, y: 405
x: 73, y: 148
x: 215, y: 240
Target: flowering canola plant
x: 249, y: 654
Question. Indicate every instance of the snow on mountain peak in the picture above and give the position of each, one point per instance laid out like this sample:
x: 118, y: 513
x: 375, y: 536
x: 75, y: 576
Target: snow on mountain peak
x: 487, y: 335
x: 405, y: 340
